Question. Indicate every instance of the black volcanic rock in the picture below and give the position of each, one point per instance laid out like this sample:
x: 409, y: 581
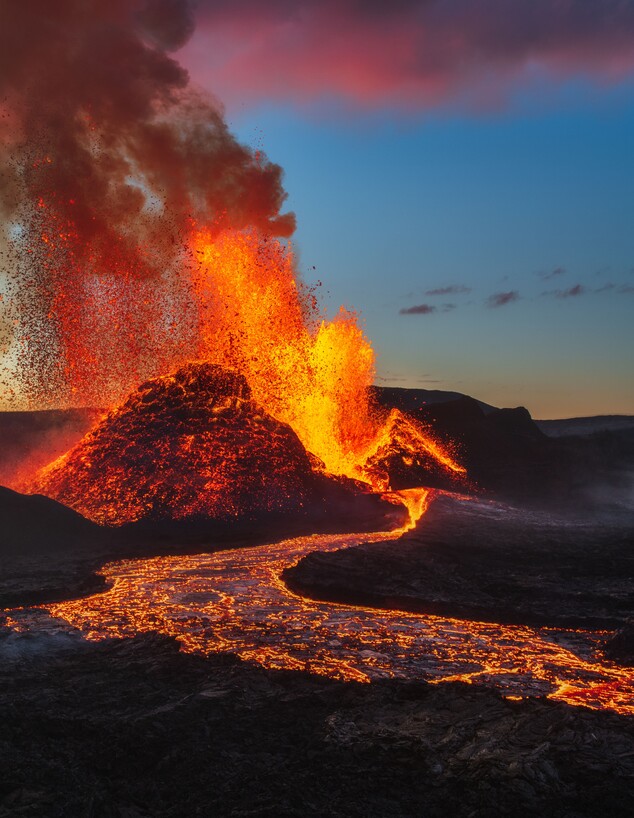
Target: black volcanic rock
x: 47, y: 551
x: 35, y: 524
x: 480, y: 560
x: 133, y: 728
x: 567, y: 427
x: 507, y: 454
x: 620, y: 647
x: 408, y: 400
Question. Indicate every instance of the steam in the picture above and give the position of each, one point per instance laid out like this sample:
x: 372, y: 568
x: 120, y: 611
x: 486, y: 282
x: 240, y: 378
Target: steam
x: 109, y: 158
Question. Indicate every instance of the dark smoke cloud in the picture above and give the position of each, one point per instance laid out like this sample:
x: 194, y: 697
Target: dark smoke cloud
x: 501, y: 299
x: 168, y: 23
x: 419, y: 309
x: 412, y: 52
x: 93, y: 100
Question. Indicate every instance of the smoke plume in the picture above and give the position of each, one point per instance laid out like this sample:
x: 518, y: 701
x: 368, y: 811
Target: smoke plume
x: 109, y: 159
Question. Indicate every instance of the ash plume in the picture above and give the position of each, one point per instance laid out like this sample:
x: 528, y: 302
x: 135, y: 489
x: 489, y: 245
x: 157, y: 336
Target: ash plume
x: 109, y: 157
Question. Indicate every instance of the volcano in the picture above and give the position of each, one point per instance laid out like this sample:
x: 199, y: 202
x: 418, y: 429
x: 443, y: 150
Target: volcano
x: 191, y: 445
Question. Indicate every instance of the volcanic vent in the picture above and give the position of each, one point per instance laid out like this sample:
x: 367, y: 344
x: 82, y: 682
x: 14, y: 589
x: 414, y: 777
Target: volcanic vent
x: 190, y: 445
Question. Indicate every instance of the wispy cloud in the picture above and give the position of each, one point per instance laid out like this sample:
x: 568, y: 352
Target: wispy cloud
x: 571, y: 292
x: 419, y: 309
x: 452, y: 289
x: 501, y: 299
x: 558, y: 271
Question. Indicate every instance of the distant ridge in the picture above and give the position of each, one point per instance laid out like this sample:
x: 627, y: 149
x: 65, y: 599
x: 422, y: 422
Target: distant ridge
x: 586, y: 426
x: 37, y: 437
x: 409, y: 400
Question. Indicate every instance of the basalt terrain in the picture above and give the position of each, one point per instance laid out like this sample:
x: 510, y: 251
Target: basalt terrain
x: 490, y: 562
x: 134, y: 728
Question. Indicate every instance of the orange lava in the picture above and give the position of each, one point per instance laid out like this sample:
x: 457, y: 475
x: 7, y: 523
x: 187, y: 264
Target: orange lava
x: 311, y: 373
x: 236, y: 601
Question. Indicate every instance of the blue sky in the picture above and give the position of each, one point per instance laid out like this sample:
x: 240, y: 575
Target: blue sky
x: 532, y: 200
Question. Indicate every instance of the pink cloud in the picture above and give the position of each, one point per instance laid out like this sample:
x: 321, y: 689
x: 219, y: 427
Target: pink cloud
x: 413, y: 53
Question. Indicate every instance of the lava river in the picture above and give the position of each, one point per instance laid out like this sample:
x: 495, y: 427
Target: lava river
x: 235, y: 601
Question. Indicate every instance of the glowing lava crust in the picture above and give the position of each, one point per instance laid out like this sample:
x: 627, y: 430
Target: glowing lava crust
x: 191, y: 445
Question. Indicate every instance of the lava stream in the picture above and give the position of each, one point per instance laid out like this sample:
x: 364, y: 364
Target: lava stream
x: 236, y: 601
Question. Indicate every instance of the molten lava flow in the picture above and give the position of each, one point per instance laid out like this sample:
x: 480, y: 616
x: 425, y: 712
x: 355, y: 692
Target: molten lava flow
x: 237, y: 601
x: 416, y: 501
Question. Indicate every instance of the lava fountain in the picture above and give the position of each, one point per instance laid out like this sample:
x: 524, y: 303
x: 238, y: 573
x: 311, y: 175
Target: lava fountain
x: 278, y: 413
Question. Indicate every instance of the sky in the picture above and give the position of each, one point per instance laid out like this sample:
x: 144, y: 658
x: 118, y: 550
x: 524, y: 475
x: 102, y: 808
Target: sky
x: 461, y: 172
x: 462, y: 176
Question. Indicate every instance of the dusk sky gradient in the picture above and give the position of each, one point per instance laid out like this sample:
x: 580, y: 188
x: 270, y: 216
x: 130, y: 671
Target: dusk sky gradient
x: 462, y: 175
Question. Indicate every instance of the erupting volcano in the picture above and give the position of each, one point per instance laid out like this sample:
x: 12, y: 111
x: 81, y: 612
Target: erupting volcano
x: 282, y: 400
x: 143, y: 236
x: 192, y: 445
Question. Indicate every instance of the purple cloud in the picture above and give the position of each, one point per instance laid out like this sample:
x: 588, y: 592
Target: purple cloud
x: 419, y: 309
x: 501, y: 299
x: 413, y: 53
